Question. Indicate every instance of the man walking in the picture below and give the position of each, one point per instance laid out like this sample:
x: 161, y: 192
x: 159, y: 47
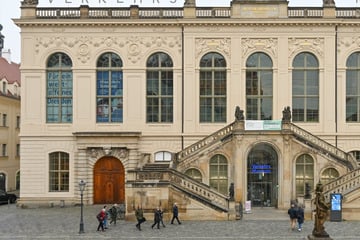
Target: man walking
x: 139, y: 214
x: 175, y: 214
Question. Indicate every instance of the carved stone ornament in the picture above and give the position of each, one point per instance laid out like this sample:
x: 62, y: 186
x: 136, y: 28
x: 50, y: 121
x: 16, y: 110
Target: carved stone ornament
x: 221, y: 45
x: 315, y: 45
x: 259, y: 44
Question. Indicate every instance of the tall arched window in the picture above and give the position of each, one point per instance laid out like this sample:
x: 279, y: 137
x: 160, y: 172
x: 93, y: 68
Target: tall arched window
x: 304, y: 173
x: 212, y: 88
x: 219, y: 173
x: 259, y: 87
x: 109, y: 88
x: 353, y: 88
x: 59, y: 89
x: 59, y: 172
x: 194, y: 173
x: 159, y: 88
x: 328, y: 175
x: 305, y: 88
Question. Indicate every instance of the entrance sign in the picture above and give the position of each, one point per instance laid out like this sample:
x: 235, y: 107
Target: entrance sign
x: 263, y: 125
x: 247, y: 206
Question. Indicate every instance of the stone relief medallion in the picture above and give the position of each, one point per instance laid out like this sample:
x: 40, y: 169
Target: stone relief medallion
x: 83, y: 53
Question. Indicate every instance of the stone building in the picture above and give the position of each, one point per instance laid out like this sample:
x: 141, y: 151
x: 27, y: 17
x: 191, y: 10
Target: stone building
x: 140, y: 102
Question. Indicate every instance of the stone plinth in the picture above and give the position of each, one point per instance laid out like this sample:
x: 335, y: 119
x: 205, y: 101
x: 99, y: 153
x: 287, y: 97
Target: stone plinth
x: 311, y: 237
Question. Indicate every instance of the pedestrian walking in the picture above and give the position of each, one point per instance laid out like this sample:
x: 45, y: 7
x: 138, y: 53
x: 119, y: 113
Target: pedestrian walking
x: 292, y: 211
x: 113, y: 214
x: 300, y: 217
x: 101, y: 216
x: 157, y: 218
x: 175, y: 211
x: 139, y: 214
x: 106, y: 218
x: 161, y: 217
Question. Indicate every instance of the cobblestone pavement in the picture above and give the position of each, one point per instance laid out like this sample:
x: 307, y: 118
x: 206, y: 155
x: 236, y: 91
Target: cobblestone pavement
x: 64, y: 223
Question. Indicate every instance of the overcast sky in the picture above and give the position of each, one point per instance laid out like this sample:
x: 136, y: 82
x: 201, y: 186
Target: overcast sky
x: 10, y: 9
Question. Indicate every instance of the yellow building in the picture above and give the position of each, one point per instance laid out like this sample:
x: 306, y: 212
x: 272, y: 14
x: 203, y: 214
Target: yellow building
x: 10, y: 85
x: 140, y: 102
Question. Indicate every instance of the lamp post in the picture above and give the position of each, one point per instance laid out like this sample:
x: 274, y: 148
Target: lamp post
x: 82, y: 185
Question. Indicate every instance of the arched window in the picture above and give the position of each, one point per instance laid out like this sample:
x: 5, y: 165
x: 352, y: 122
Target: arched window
x: 59, y: 173
x: 305, y: 88
x: 328, y: 175
x: 212, y: 88
x: 159, y: 88
x: 163, y: 156
x: 109, y: 88
x: 194, y: 173
x: 353, y: 88
x: 59, y: 89
x: 219, y: 173
x: 304, y: 173
x: 259, y: 87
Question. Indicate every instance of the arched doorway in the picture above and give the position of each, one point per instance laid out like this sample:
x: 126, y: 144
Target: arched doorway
x: 262, y: 176
x: 109, y: 181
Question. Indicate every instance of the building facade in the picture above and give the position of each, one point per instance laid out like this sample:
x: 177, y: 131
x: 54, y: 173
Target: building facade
x: 140, y: 104
x: 10, y: 125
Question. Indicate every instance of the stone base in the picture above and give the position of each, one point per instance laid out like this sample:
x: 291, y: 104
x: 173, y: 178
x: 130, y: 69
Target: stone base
x: 311, y: 237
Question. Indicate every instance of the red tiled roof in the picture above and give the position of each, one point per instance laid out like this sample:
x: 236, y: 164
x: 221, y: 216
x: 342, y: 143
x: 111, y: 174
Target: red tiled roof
x: 10, y: 71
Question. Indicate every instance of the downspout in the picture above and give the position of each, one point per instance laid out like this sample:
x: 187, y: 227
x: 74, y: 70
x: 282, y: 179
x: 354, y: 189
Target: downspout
x: 182, y: 86
x: 336, y: 86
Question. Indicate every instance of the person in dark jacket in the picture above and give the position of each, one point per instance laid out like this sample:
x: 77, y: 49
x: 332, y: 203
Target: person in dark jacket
x: 175, y: 214
x: 300, y: 217
x: 161, y: 217
x: 113, y: 214
x: 139, y: 214
x: 157, y: 218
x: 292, y: 211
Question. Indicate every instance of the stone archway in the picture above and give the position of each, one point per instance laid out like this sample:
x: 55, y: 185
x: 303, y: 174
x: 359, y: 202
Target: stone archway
x: 262, y: 176
x: 109, y: 181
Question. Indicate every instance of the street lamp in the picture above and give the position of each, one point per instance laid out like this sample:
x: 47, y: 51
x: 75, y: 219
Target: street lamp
x: 82, y: 185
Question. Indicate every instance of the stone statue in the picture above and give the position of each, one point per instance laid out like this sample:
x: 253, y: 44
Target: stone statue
x: 286, y: 114
x: 239, y: 114
x: 321, y: 214
x: 328, y: 3
x: 231, y: 191
x: 189, y: 3
x: 30, y: 2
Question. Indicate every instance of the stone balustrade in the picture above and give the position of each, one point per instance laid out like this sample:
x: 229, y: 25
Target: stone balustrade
x: 200, y: 12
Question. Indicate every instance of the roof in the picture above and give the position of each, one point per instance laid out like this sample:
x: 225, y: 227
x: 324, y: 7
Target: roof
x: 10, y: 71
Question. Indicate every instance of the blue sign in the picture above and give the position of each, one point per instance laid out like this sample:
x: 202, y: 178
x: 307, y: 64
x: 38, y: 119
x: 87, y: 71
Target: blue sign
x: 336, y: 202
x: 260, y: 168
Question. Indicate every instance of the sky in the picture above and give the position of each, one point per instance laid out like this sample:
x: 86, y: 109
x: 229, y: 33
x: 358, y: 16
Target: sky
x: 10, y: 9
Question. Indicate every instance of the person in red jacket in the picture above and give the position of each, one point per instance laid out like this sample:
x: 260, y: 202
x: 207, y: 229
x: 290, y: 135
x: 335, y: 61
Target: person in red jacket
x: 101, y: 216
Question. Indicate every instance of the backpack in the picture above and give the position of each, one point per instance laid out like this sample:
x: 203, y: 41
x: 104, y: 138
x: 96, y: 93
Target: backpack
x: 98, y: 216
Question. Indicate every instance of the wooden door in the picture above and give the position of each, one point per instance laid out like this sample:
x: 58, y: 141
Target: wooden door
x: 109, y: 181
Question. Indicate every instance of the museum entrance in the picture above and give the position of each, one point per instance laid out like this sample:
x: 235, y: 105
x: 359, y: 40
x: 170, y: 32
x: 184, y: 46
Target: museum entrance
x: 262, y: 176
x: 109, y: 181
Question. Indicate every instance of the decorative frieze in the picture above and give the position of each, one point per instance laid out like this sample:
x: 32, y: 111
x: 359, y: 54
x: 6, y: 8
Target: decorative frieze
x: 222, y: 45
x: 315, y: 45
x: 249, y: 45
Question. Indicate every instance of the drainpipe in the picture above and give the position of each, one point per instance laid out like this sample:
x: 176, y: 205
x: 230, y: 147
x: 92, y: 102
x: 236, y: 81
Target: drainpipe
x: 336, y: 86
x: 182, y: 86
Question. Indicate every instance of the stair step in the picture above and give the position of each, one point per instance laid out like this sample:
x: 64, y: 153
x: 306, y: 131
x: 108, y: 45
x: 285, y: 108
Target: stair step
x: 156, y: 166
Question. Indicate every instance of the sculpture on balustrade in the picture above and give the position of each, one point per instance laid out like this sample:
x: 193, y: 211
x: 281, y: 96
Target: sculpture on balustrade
x: 321, y: 214
x: 239, y: 114
x: 30, y: 2
x: 286, y: 114
x: 328, y: 3
x: 189, y: 3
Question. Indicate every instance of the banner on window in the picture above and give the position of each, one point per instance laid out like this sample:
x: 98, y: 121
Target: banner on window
x: 267, y: 125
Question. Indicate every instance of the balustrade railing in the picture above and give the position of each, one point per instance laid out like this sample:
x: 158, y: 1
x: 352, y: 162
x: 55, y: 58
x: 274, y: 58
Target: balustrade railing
x: 200, y: 12
x: 190, y: 186
x: 344, y: 184
x: 323, y: 146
